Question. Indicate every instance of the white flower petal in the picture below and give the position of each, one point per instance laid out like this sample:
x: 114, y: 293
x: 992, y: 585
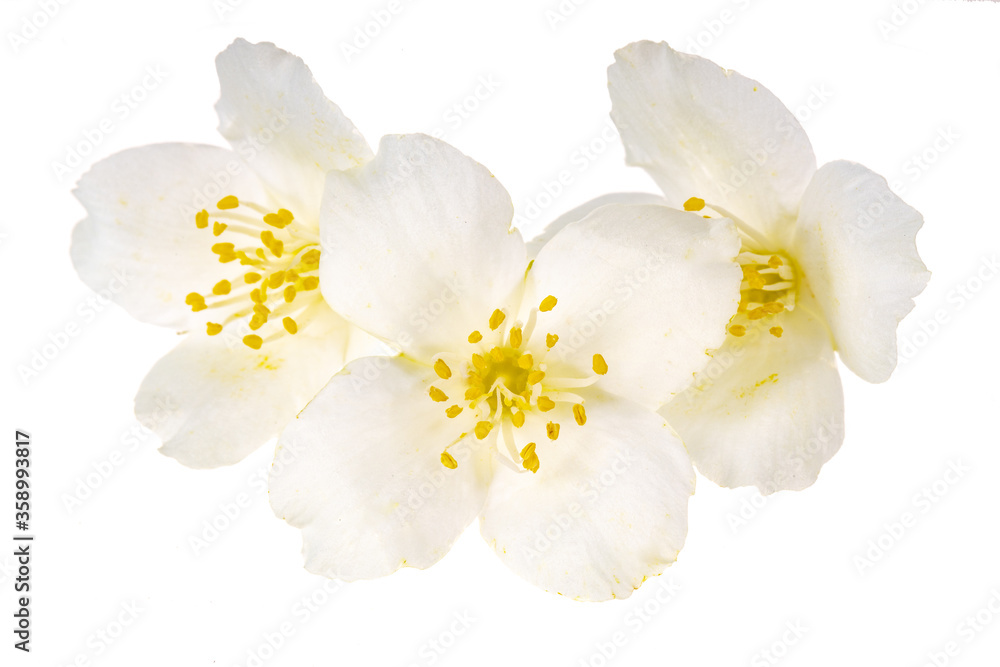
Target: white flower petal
x: 213, y: 400
x: 417, y: 245
x: 275, y: 115
x: 585, y: 209
x: 703, y: 131
x: 649, y: 288
x: 766, y: 411
x: 360, y: 472
x: 606, y: 509
x: 139, y: 241
x: 856, y: 243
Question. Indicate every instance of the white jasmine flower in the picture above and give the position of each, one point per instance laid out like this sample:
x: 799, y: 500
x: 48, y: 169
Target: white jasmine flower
x: 525, y: 394
x: 829, y: 263
x: 224, y: 244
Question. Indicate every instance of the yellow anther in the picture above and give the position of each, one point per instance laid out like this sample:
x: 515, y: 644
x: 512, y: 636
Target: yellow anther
x: 257, y: 296
x: 448, y: 461
x: 257, y: 321
x: 226, y: 257
x: 773, y: 308
x: 534, y: 377
x: 545, y: 403
x: 475, y: 337
x: 312, y: 282
x: 497, y: 354
x: 194, y: 298
x: 260, y: 253
x: 310, y: 257
x: 694, y: 204
x: 552, y: 430
x: 516, y: 337
x: 275, y: 279
x: 774, y: 262
x: 261, y: 310
x: 290, y: 325
x: 212, y: 328
x: 251, y: 278
x: 528, y: 450
x: 517, y: 419
x: 277, y: 248
x: 547, y: 304
x: 776, y: 331
x: 201, y: 219
x: 496, y: 319
x: 600, y: 366
x: 531, y: 463
x: 274, y: 220
x: 222, y: 287
x: 218, y: 228
x: 227, y: 203
x: 267, y: 237
x: 757, y: 313
x: 437, y: 395
x: 551, y: 340
x: 441, y: 368
x: 223, y: 248
x: 483, y: 429
x: 579, y: 414
x: 289, y: 294
x: 525, y: 361
x: 286, y: 215
x: 738, y: 330
x: 253, y: 341
x: 472, y: 393
x: 453, y: 411
x: 479, y: 362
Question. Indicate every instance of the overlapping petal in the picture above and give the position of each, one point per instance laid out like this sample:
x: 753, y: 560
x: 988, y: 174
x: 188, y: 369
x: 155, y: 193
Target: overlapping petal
x: 418, y: 248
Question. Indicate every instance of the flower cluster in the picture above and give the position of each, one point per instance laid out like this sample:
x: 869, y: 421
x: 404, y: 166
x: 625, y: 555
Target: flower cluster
x: 381, y: 317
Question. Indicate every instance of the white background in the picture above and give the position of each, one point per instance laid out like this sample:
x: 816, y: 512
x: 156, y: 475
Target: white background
x: 791, y: 559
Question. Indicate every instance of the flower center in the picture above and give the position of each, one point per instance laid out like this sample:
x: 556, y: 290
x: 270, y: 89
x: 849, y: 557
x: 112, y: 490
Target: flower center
x: 282, y: 263
x: 510, y: 389
x: 768, y: 289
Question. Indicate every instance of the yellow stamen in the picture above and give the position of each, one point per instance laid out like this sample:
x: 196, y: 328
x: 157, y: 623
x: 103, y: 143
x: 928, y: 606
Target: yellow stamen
x: 534, y: 377
x: 774, y: 262
x: 290, y: 325
x: 251, y: 278
x: 312, y: 282
x: 448, y: 461
x: 528, y: 450
x: 437, y: 395
x: 223, y: 248
x: 547, y: 304
x: 472, y: 393
x: 738, y: 330
x: 289, y: 294
x: 497, y: 354
x: 776, y: 331
x: 517, y: 419
x: 253, y: 341
x: 545, y: 403
x: 694, y: 204
x: 218, y: 228
x: 212, y: 328
x: 531, y: 463
x: 441, y: 368
x: 453, y: 411
x: 257, y: 321
x: 525, y: 361
x: 552, y: 430
x: 475, y: 337
x: 483, y: 429
x: 496, y: 319
x: 579, y: 414
x: 516, y: 337
x: 479, y: 362
x: 222, y: 287
x: 551, y: 340
x: 600, y: 366
x: 201, y: 219
x: 227, y: 203
x: 275, y: 279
